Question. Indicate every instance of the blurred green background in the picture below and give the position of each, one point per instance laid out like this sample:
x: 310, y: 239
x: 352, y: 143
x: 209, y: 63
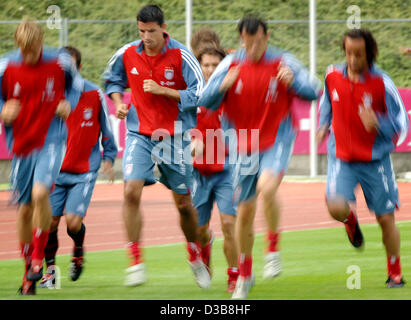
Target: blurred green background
x: 99, y: 41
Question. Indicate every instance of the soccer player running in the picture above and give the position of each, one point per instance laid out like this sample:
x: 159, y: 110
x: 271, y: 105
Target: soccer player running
x: 165, y: 81
x: 363, y: 111
x: 256, y: 86
x: 75, y: 184
x: 212, y: 174
x: 38, y: 87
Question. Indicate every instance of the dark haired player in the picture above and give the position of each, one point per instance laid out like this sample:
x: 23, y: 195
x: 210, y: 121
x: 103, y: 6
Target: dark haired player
x: 365, y: 115
x: 255, y: 86
x: 165, y: 81
x: 212, y: 174
x: 78, y: 174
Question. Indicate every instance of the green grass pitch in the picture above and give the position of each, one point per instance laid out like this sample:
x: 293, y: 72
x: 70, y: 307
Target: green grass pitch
x: 315, y: 266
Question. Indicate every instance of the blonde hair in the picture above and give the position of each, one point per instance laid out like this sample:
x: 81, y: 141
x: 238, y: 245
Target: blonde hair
x: 28, y: 33
x: 202, y: 38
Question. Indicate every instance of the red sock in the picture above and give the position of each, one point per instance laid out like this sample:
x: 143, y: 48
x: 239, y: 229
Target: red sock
x: 135, y: 252
x: 245, y: 264
x: 273, y: 241
x: 194, y: 250
x: 233, y: 274
x: 40, y: 238
x: 26, y: 252
x: 394, y: 266
x: 351, y: 219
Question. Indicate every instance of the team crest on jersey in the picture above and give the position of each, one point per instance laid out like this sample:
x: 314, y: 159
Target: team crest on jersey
x: 367, y: 100
x: 87, y: 113
x: 169, y: 73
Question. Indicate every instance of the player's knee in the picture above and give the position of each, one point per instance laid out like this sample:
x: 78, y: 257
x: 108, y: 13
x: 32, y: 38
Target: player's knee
x: 74, y: 224
x: 227, y: 226
x: 386, y: 222
x: 338, y: 209
x: 203, y: 233
x: 40, y: 193
x: 132, y: 193
x: 184, y: 205
x: 267, y: 187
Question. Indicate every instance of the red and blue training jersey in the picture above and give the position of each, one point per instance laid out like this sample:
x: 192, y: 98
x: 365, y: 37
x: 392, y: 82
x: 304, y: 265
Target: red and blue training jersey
x: 39, y: 88
x: 339, y: 111
x: 257, y: 103
x: 175, y: 67
x: 86, y: 124
x: 209, y: 130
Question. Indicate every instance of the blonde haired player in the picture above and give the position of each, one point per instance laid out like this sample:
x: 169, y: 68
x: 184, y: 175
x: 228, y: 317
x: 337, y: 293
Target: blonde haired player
x: 37, y: 90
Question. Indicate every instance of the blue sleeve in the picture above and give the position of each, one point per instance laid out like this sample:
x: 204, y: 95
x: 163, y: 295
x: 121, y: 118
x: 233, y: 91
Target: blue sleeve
x: 211, y: 97
x: 107, y: 139
x: 115, y: 77
x: 194, y: 80
x: 305, y: 85
x: 73, y: 81
x: 325, y: 108
x: 395, y: 122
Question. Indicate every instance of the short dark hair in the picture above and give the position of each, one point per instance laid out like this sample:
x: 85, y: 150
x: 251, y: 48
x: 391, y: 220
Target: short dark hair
x: 211, y: 50
x: 250, y: 24
x: 151, y: 13
x: 74, y: 52
x: 371, y: 47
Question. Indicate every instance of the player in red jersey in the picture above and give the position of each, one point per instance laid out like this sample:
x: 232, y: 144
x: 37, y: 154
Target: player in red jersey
x: 38, y: 88
x: 255, y: 87
x: 165, y: 81
x: 212, y: 175
x: 365, y: 115
x: 75, y: 184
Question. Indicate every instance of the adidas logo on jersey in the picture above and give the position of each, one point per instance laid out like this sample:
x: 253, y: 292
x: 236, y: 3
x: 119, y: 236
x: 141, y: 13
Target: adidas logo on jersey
x: 134, y: 71
x: 182, y: 186
x: 335, y: 96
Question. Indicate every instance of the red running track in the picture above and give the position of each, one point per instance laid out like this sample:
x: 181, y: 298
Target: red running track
x: 302, y: 206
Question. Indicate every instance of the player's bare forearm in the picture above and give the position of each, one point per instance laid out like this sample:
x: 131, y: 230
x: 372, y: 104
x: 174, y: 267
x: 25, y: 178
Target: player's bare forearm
x: 368, y: 118
x: 230, y: 78
x: 153, y: 87
x: 10, y: 112
x: 321, y: 133
x: 63, y: 109
x: 171, y: 93
x: 121, y: 107
x: 285, y: 74
x: 108, y: 170
x: 117, y: 98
